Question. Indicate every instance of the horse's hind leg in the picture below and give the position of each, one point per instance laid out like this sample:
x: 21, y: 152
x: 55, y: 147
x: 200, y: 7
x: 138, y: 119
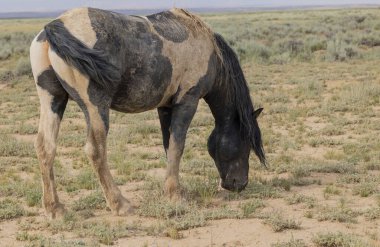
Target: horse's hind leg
x: 53, y: 100
x: 95, y: 104
x: 96, y: 150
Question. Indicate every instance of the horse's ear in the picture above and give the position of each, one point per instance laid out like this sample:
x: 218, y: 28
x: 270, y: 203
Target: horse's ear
x: 256, y: 113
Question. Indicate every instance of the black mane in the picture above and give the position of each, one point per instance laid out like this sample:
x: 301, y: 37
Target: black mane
x: 237, y: 93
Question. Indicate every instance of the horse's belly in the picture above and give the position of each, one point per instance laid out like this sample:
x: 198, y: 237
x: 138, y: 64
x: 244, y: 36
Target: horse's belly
x: 139, y: 96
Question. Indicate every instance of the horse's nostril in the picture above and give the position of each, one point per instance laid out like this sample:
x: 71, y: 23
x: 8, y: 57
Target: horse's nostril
x: 234, y: 183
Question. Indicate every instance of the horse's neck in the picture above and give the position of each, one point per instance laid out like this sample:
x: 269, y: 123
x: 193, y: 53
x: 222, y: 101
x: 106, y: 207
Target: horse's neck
x: 223, y: 110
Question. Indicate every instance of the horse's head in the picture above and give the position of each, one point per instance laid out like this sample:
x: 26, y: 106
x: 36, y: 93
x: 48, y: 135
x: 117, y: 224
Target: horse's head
x: 230, y: 151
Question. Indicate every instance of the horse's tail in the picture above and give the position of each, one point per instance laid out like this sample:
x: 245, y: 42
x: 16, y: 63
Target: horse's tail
x: 90, y: 62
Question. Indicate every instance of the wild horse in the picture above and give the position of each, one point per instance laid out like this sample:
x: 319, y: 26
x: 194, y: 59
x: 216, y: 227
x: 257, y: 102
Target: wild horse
x: 169, y: 61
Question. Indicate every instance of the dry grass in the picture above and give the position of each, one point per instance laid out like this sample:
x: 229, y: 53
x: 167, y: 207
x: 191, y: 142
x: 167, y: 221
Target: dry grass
x: 319, y: 86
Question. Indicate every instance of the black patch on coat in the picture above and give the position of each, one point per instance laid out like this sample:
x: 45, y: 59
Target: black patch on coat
x: 74, y: 95
x: 129, y: 43
x: 169, y: 26
x: 49, y: 81
x: 165, y: 115
x: 42, y: 36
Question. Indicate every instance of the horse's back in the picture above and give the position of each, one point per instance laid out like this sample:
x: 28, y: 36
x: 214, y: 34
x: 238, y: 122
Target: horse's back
x: 157, y: 56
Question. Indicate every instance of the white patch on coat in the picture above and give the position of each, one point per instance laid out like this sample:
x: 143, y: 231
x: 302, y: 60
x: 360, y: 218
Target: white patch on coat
x: 78, y: 23
x: 189, y: 60
x: 39, y: 56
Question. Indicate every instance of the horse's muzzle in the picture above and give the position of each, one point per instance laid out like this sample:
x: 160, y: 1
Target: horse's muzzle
x: 234, y: 184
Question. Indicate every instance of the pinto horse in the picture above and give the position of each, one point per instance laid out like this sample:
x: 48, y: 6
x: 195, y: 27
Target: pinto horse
x: 104, y: 60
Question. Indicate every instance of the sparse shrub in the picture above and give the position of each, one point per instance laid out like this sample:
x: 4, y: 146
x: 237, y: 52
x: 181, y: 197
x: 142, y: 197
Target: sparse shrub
x: 5, y: 53
x: 33, y: 194
x: 372, y: 213
x: 291, y: 243
x: 6, y: 75
x: 370, y: 41
x: 332, y: 130
x: 365, y: 189
x: 223, y: 212
x: 339, y: 214
x: 337, y: 240
x: 94, y: 200
x: 294, y: 47
x: 23, y: 67
x: 250, y: 207
x: 12, y: 147
x: 339, y: 50
x: 155, y: 204
x: 10, y: 209
x: 331, y: 190
x: 299, y: 198
x: 173, y: 233
x: 104, y: 232
x: 318, y: 45
x: 200, y: 189
x: 190, y: 220
x: 278, y: 223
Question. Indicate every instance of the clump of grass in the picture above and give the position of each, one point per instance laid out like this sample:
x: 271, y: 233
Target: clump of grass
x: 337, y: 240
x: 332, y: 130
x: 334, y: 155
x: 160, y: 207
x: 10, y: 209
x: 300, y: 171
x: 372, y: 213
x: 156, y: 204
x: 258, y: 190
x: 25, y: 236
x: 283, y: 183
x: 291, y: 243
x: 86, y: 179
x: 6, y: 75
x: 250, y: 207
x: 40, y: 240
x: 11, y: 147
x: 342, y: 168
x: 299, y: 198
x: 173, y: 233
x: 351, y: 179
x: 104, y: 232
x: 365, y: 189
x: 94, y: 200
x: 279, y: 223
x: 33, y: 194
x: 339, y: 214
x: 5, y: 53
x: 201, y: 189
x: 223, y: 212
x: 331, y: 190
x: 189, y: 220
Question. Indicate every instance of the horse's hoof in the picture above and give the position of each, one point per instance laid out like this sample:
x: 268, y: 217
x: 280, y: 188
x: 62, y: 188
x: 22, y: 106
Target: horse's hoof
x: 171, y: 188
x: 57, y: 212
x: 125, y: 208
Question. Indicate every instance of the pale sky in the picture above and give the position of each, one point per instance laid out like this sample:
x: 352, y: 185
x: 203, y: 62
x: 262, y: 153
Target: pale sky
x: 51, y: 5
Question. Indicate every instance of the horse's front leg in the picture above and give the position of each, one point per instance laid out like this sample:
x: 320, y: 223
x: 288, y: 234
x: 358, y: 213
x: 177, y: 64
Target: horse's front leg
x: 180, y: 116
